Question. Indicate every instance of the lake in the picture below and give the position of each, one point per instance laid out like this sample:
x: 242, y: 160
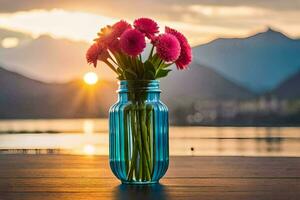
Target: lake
x: 90, y: 136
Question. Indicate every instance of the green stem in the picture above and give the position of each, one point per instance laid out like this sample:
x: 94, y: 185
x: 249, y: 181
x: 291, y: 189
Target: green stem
x: 168, y: 65
x: 141, y: 163
x: 120, y: 60
x: 150, y: 135
x: 138, y: 69
x: 139, y: 139
x: 135, y: 145
x: 113, y: 60
x: 111, y: 66
x: 151, y: 52
x: 133, y: 161
x: 126, y: 140
x: 145, y: 155
x: 144, y: 132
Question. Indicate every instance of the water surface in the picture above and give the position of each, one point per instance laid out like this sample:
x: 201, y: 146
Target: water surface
x: 90, y: 136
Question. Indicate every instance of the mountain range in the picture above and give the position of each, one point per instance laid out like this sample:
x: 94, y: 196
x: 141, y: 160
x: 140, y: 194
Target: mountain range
x: 259, y: 62
x: 201, y: 83
x: 40, y: 77
x: 48, y: 59
x: 290, y: 88
x: 22, y: 97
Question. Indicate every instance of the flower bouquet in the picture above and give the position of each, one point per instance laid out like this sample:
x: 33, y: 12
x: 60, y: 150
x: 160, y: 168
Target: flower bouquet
x: 138, y: 122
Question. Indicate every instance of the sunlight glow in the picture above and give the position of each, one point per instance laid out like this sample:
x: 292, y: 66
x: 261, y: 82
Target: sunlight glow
x: 57, y: 23
x: 90, y: 78
x: 228, y: 11
x: 10, y: 42
x: 88, y: 127
x: 200, y: 23
x: 83, y: 26
x: 89, y: 149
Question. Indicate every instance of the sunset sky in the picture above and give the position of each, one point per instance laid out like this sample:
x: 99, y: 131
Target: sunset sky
x: 24, y: 25
x: 201, y: 20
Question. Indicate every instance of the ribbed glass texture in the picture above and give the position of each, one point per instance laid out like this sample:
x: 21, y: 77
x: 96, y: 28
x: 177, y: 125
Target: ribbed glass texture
x: 139, y: 133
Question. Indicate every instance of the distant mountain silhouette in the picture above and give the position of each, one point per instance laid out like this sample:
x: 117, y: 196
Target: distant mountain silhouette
x: 224, y: 69
x: 47, y: 59
x: 290, y: 88
x: 201, y: 83
x: 22, y: 97
x: 259, y: 62
x: 22, y: 37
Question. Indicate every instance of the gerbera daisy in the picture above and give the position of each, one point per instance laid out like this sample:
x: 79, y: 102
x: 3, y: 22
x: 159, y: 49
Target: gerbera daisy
x: 96, y: 52
x: 147, y: 26
x: 109, y: 34
x: 167, y: 47
x: 185, y: 57
x: 132, y: 42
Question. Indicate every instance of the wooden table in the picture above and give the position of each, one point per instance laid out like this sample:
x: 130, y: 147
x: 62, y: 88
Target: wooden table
x: 62, y: 177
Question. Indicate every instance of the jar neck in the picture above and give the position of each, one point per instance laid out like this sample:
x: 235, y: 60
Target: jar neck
x: 139, y: 90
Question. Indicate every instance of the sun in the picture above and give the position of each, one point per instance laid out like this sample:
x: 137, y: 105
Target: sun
x: 89, y: 149
x: 90, y: 78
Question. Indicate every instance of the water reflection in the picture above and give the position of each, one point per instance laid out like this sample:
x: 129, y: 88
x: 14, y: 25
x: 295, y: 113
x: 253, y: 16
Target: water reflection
x: 88, y: 127
x: 220, y: 146
x: 271, y: 141
x: 31, y: 151
x: 138, y: 192
x: 90, y: 137
x: 89, y: 149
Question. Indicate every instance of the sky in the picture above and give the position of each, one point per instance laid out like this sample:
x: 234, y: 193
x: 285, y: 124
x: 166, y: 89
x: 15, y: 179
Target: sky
x: 201, y: 21
x: 25, y: 21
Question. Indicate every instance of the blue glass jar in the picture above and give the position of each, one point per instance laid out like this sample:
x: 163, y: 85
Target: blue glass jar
x: 139, y: 133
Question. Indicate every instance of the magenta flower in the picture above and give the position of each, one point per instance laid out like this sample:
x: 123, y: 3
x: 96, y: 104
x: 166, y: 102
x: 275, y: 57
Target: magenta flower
x: 132, y: 42
x: 185, y: 57
x: 119, y: 28
x: 115, y: 46
x: 96, y: 52
x: 167, y: 47
x: 109, y: 34
x: 105, y: 36
x: 146, y: 26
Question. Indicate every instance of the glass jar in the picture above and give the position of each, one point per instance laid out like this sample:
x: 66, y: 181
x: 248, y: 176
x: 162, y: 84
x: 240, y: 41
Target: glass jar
x: 139, y: 133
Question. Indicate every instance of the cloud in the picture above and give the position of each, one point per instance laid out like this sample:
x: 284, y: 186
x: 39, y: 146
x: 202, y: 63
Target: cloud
x: 57, y: 23
x: 201, y: 20
x: 131, y: 7
x: 226, y: 11
x: 84, y: 26
x: 289, y: 5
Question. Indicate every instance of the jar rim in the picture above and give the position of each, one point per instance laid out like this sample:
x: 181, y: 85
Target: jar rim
x: 146, y: 85
x: 138, y: 81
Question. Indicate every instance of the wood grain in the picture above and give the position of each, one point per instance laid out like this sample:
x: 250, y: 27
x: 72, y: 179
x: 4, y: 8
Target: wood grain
x: 48, y: 177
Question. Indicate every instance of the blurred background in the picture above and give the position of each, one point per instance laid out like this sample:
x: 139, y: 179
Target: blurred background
x: 241, y: 95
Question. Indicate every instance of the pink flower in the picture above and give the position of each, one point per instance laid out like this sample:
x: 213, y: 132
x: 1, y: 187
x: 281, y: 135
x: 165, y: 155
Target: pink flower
x: 106, y: 36
x: 154, y: 40
x: 96, y: 52
x: 167, y: 47
x: 146, y: 26
x: 119, y: 28
x: 132, y: 42
x: 185, y: 57
x: 109, y: 34
x: 115, y: 46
